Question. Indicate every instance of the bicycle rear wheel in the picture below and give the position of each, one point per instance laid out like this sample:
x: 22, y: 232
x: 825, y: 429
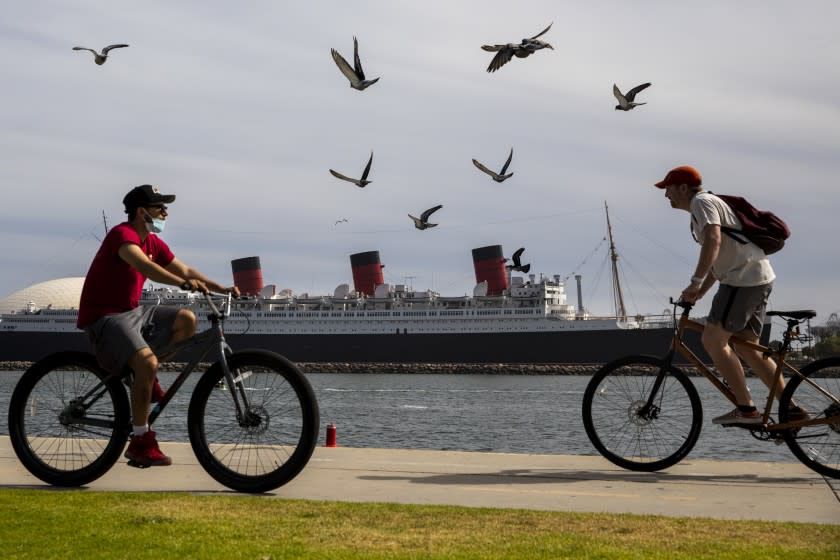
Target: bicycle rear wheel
x: 818, y: 446
x: 627, y: 433
x: 275, y: 440
x: 68, y: 422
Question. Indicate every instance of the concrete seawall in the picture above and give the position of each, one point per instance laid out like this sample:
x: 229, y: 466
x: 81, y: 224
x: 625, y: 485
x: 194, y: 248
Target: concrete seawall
x: 431, y: 368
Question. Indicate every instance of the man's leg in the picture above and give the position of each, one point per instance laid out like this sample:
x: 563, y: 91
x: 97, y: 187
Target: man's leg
x: 763, y: 368
x: 716, y: 342
x: 183, y: 327
x: 144, y: 363
x: 143, y: 448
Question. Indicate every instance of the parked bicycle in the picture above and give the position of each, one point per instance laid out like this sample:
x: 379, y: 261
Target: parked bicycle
x: 252, y: 419
x: 643, y: 413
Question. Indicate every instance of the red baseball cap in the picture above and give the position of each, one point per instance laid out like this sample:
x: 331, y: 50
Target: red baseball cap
x: 682, y: 175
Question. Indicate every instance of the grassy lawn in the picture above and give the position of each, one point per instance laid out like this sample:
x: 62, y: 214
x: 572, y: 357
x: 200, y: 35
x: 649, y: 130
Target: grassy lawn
x: 44, y: 524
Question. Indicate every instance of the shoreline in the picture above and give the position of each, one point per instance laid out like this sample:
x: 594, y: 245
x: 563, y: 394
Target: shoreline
x: 423, y: 368
x: 400, y: 368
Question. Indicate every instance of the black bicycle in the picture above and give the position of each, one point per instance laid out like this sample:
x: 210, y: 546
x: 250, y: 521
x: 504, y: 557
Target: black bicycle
x: 253, y: 417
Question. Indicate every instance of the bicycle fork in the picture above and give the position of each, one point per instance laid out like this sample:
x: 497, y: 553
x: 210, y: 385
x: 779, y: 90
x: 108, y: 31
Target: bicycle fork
x: 650, y: 411
x: 237, y: 388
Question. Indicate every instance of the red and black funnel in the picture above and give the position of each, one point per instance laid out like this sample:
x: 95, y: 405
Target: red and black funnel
x: 247, y: 275
x: 489, y: 264
x: 367, y: 272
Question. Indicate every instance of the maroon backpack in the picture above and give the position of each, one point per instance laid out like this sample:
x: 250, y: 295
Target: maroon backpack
x: 763, y: 228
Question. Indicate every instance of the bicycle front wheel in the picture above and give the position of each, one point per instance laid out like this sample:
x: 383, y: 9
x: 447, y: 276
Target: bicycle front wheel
x: 817, y: 446
x: 273, y: 440
x: 631, y: 434
x: 68, y: 421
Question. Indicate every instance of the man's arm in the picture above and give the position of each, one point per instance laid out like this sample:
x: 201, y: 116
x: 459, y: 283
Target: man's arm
x: 134, y: 256
x: 198, y: 280
x: 703, y: 278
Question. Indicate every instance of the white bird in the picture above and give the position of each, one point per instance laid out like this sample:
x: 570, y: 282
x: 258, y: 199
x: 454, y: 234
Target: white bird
x: 524, y: 49
x: 625, y: 102
x: 356, y: 75
x: 363, y: 182
x: 498, y: 177
x: 423, y: 221
x: 100, y: 58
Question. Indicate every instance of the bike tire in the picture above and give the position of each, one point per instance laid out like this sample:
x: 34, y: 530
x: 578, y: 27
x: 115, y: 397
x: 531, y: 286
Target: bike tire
x: 611, y: 404
x: 818, y: 446
x: 277, y: 446
x: 45, y: 424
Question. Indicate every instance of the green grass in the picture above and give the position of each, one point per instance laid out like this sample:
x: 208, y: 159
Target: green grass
x: 63, y: 524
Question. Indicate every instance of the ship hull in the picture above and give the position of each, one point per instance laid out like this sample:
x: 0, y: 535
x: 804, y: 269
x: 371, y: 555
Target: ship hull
x: 564, y: 347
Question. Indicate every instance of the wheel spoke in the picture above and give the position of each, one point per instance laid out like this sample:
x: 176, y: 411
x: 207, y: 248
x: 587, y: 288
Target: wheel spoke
x: 613, y: 405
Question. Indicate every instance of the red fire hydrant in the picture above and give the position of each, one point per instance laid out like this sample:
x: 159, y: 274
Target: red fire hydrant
x: 330, y: 436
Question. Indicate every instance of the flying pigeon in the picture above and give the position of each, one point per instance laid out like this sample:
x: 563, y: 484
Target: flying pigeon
x: 363, y: 182
x: 97, y: 57
x: 498, y: 177
x: 524, y: 49
x: 356, y: 75
x: 625, y: 102
x: 517, y: 264
x: 423, y: 221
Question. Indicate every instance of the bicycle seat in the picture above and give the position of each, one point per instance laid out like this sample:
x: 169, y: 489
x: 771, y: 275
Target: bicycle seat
x: 799, y: 315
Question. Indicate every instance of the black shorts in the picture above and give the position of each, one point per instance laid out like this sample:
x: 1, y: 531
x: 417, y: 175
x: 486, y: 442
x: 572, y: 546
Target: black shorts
x: 737, y: 308
x: 116, y: 338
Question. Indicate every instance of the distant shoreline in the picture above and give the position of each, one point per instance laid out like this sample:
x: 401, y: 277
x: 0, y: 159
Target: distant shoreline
x: 415, y: 368
x: 392, y: 367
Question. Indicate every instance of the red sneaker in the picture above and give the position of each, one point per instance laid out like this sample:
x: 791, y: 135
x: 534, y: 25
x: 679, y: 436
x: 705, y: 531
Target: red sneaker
x: 157, y: 392
x: 144, y: 451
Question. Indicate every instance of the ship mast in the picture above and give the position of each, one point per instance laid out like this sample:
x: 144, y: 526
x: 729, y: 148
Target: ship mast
x: 618, y: 299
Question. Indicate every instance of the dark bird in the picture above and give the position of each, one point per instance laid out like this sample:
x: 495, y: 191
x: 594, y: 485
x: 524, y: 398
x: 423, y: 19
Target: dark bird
x: 625, y: 102
x: 524, y: 49
x: 97, y: 57
x: 356, y: 75
x: 363, y: 182
x: 339, y: 221
x: 517, y: 264
x: 498, y: 177
x: 423, y: 221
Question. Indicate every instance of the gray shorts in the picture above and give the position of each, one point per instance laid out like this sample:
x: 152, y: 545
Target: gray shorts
x: 737, y: 308
x: 116, y: 338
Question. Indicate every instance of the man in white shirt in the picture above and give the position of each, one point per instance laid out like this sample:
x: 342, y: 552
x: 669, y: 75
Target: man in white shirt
x: 746, y: 279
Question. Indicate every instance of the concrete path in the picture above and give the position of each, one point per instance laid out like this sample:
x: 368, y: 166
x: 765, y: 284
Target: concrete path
x: 717, y: 489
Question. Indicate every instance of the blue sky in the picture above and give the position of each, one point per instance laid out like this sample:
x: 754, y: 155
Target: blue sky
x: 240, y: 111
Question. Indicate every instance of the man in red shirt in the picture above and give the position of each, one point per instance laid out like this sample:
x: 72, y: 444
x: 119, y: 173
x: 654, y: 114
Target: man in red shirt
x: 122, y: 332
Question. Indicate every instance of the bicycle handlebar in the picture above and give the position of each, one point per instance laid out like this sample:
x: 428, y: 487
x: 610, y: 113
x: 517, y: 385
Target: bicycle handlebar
x: 686, y: 306
x: 208, y: 297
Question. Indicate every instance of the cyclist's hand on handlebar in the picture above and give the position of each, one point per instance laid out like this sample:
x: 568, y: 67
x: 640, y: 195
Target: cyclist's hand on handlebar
x: 691, y: 294
x: 234, y: 291
x: 197, y: 286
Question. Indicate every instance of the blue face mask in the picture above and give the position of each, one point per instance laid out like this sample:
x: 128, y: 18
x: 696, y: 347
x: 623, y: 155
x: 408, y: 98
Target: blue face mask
x: 156, y: 225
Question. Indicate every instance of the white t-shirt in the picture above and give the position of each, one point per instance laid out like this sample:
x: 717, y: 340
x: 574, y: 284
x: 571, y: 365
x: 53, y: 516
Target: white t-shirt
x: 736, y: 264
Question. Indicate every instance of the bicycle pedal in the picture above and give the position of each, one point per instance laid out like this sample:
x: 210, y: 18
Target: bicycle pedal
x: 136, y: 465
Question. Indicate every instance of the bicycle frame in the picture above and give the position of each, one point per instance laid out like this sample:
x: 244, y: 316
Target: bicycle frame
x: 778, y: 356
x: 212, y: 340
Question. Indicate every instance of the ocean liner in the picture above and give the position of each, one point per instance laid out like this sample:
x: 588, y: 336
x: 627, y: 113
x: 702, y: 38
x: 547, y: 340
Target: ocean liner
x: 508, y: 319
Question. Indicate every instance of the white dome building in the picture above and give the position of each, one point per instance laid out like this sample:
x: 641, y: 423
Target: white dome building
x: 62, y: 293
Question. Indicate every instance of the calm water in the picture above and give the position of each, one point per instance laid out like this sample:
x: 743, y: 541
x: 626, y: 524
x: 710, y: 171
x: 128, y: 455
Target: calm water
x: 521, y: 414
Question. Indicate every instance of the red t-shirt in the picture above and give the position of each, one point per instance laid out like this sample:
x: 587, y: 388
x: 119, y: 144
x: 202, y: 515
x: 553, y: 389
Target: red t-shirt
x: 112, y: 285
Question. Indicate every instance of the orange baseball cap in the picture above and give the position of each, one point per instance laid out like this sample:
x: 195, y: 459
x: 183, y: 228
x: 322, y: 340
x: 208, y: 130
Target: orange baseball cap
x: 682, y: 175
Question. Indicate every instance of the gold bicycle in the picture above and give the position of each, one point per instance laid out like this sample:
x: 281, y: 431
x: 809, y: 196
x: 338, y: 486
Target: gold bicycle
x: 643, y: 413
